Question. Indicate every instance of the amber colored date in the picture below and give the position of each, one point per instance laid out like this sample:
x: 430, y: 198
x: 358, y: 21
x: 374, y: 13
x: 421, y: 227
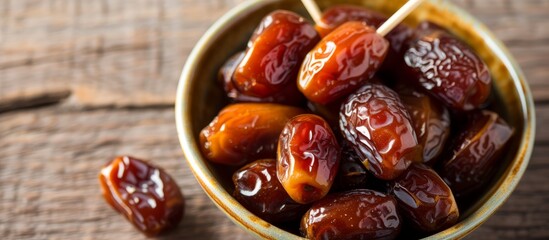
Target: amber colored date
x: 449, y: 70
x: 341, y: 62
x: 146, y: 195
x: 425, y: 199
x: 257, y: 188
x: 289, y: 95
x: 474, y: 154
x: 244, y: 132
x: 308, y: 158
x: 377, y: 125
x: 357, y: 214
x: 274, y: 54
x: 431, y: 122
x: 398, y: 38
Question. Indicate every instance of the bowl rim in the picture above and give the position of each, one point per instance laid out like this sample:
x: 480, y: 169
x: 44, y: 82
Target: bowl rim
x: 263, y: 229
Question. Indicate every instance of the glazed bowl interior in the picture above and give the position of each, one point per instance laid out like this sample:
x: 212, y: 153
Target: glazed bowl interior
x: 199, y: 98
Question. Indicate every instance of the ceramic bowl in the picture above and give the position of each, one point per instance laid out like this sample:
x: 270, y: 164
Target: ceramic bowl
x: 199, y: 98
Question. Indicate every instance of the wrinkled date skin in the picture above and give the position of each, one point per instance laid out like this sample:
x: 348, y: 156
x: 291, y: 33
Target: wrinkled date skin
x: 244, y: 132
x: 377, y: 125
x: 258, y: 189
x: 474, y: 154
x: 146, y: 195
x: 274, y: 54
x: 398, y: 38
x: 425, y: 199
x: 308, y: 158
x: 357, y: 214
x: 431, y: 122
x: 289, y: 95
x: 351, y: 174
x: 341, y: 62
x: 449, y: 70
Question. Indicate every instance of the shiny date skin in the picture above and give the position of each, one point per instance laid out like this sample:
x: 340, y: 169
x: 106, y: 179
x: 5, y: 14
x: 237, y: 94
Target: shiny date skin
x: 425, y: 199
x: 398, y: 38
x: 289, y: 95
x: 431, y: 122
x: 145, y: 194
x: 244, y: 132
x: 376, y: 124
x: 474, y: 154
x: 257, y: 188
x: 274, y: 54
x: 342, y: 61
x: 308, y: 158
x: 356, y: 214
x: 449, y: 70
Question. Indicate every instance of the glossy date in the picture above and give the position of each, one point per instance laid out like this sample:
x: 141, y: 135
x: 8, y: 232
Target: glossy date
x: 342, y: 61
x: 376, y: 124
x: 449, y: 70
x: 290, y: 95
x: 425, y: 199
x: 257, y: 188
x: 357, y: 214
x: 308, y: 158
x: 431, y: 122
x: 474, y: 155
x: 146, y: 195
x: 244, y: 132
x: 274, y: 54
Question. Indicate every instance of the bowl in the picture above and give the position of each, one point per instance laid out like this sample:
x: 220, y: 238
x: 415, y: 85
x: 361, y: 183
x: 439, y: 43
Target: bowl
x: 199, y: 98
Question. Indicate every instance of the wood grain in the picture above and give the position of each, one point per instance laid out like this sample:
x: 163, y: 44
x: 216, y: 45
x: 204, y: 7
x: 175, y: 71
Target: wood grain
x: 110, y: 68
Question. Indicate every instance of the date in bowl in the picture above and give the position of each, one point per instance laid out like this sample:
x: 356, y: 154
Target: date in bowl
x: 199, y: 98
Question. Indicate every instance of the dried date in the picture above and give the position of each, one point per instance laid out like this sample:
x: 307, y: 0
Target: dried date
x: 474, y: 155
x: 244, y: 132
x: 341, y: 62
x: 449, y: 70
x: 308, y: 158
x: 257, y: 188
x: 431, y: 122
x: 146, y: 195
x: 274, y: 54
x: 379, y: 128
x: 425, y: 199
x: 357, y: 214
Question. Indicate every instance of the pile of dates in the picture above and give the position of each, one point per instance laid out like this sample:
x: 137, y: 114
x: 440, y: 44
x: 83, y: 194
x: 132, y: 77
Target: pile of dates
x: 352, y: 135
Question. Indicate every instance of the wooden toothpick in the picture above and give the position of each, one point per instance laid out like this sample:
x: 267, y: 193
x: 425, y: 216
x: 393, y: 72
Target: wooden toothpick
x: 313, y: 10
x: 397, y: 17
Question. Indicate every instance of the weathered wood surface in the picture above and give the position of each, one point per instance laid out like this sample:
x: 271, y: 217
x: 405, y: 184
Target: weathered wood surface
x: 112, y: 67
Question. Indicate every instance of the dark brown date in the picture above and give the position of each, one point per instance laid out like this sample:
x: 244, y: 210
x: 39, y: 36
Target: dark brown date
x: 341, y: 62
x: 244, y: 132
x: 274, y: 54
x: 308, y: 158
x: 449, y: 70
x: 431, y: 122
x: 357, y: 214
x: 351, y: 174
x: 377, y: 125
x: 257, y: 188
x: 425, y: 199
x: 146, y: 195
x: 289, y: 96
x: 474, y: 155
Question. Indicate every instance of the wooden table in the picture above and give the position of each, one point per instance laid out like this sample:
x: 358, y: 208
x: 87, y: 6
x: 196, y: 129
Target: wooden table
x: 83, y: 81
